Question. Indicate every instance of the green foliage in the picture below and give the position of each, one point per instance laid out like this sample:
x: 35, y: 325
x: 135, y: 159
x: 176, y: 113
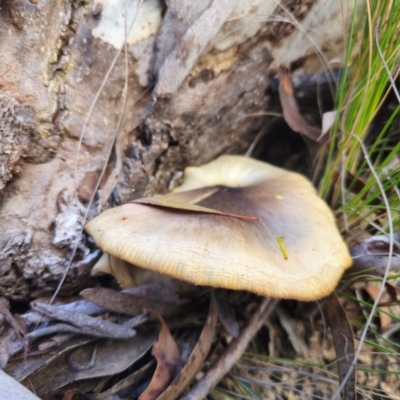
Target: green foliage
x: 373, y: 47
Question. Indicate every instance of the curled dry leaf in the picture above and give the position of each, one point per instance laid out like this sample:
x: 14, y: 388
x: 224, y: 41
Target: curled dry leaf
x: 372, y: 255
x: 291, y: 112
x: 169, y: 362
x: 211, y: 249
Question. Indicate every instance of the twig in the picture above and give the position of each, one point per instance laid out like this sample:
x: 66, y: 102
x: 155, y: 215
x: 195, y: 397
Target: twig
x: 232, y: 353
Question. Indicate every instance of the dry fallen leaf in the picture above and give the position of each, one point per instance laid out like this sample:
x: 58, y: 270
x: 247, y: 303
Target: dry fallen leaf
x: 169, y: 362
x: 130, y: 304
x: 291, y: 112
x: 122, y: 387
x: 180, y: 204
x: 102, y: 358
x: 372, y: 254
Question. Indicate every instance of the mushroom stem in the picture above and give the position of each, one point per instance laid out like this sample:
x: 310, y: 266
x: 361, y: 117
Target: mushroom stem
x: 225, y: 313
x: 232, y: 353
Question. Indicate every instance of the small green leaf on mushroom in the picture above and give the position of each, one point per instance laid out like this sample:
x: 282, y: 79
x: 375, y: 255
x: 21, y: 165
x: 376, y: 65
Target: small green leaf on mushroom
x: 282, y: 247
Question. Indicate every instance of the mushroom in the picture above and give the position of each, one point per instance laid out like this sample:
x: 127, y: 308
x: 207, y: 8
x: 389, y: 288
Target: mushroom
x: 234, y: 223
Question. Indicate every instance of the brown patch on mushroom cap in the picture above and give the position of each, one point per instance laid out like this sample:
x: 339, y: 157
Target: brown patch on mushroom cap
x: 292, y: 250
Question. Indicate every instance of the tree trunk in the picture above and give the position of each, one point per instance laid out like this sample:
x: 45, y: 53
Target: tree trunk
x: 190, y: 87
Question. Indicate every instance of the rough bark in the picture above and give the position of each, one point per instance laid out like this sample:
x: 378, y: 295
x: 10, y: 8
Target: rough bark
x: 197, y: 72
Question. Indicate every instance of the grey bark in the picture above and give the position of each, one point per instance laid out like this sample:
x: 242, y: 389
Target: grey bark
x: 197, y: 74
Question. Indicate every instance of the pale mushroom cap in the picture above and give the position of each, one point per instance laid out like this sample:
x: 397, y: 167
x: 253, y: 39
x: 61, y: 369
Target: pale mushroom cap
x: 223, y: 251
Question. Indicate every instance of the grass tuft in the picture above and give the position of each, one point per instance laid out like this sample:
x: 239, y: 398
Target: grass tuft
x: 363, y: 91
